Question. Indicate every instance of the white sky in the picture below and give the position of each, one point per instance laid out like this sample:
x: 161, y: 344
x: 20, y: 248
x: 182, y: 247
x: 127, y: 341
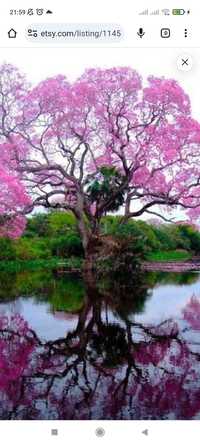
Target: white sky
x: 39, y: 63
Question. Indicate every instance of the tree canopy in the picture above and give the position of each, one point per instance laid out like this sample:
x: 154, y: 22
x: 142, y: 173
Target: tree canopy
x: 107, y: 141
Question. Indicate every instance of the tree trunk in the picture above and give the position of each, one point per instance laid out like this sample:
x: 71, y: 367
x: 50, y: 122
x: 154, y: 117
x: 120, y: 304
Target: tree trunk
x: 91, y: 253
x: 83, y: 228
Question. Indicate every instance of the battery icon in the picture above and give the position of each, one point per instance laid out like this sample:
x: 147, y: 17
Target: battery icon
x: 178, y: 11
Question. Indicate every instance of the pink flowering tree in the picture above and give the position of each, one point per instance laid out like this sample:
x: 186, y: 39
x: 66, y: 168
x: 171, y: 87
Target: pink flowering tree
x: 13, y: 196
x: 13, y: 200
x: 106, y: 141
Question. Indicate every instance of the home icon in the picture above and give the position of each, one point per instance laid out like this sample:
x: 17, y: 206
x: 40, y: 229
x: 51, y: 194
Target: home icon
x: 12, y: 34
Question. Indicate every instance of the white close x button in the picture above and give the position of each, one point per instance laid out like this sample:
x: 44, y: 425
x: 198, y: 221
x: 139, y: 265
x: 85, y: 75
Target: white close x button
x: 184, y: 62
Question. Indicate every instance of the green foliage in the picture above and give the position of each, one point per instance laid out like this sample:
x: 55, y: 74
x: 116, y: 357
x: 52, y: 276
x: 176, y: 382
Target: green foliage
x: 119, y: 258
x: 7, y: 249
x: 134, y: 239
x: 49, y: 235
x: 60, y: 223
x: 174, y: 236
x: 46, y: 264
x: 141, y: 235
x: 170, y: 237
x: 37, y: 226
x: 68, y: 295
x: 55, y: 223
x: 107, y: 184
x: 170, y: 278
x: 27, y: 249
x: 63, y: 293
x: 65, y: 246
x: 162, y: 256
x: 8, y: 284
x: 53, y: 235
x: 190, y: 235
x: 151, y: 241
x: 37, y: 282
x: 164, y: 239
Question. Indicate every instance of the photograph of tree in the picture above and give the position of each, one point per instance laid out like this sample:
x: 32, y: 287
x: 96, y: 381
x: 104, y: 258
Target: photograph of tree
x: 99, y: 247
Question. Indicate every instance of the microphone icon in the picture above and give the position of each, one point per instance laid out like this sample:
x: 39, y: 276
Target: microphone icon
x: 141, y: 32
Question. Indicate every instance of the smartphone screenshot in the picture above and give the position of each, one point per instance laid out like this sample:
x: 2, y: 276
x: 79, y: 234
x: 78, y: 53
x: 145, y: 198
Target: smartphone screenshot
x: 99, y: 222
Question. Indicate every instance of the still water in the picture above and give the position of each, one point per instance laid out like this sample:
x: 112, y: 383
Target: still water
x: 69, y: 351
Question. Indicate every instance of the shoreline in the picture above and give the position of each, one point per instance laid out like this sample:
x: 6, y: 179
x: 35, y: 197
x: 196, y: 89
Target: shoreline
x: 74, y: 266
x: 171, y: 266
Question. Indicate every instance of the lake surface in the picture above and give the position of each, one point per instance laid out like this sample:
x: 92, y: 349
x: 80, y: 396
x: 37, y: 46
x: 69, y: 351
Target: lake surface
x: 107, y: 352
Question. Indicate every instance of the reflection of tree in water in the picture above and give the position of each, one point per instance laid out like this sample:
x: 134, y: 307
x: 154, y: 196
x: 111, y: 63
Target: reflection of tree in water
x: 101, y: 369
x: 126, y: 298
x: 63, y: 294
x: 164, y: 278
x: 7, y: 286
x: 67, y: 293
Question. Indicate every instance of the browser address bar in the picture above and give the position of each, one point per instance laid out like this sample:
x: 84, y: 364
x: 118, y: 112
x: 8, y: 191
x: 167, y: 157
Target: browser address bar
x: 74, y: 33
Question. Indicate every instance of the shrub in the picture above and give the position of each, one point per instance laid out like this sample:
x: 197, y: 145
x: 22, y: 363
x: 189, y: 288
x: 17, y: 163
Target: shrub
x: 192, y: 236
x: 150, y: 239
x: 55, y: 223
x: 68, y: 245
x: 140, y: 234
x: 60, y: 223
x: 27, y: 249
x: 37, y: 226
x: 7, y: 249
x: 163, y: 237
x: 171, y: 237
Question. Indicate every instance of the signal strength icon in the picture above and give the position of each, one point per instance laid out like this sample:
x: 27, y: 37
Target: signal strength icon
x: 145, y: 12
x: 156, y: 12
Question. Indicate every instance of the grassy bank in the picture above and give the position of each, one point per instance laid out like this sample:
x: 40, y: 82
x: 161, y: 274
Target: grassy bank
x: 167, y: 256
x: 75, y: 263
x: 51, y: 238
x: 40, y: 264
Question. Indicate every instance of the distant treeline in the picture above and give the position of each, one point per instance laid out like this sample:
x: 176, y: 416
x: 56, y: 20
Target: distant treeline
x: 55, y: 234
